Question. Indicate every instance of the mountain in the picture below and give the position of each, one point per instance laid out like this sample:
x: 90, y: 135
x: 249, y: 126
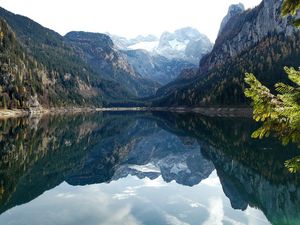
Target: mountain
x: 185, y: 43
x: 140, y: 42
x: 163, y: 59
x: 98, y: 51
x: 233, y: 10
x: 50, y: 70
x: 50, y: 66
x: 19, y: 80
x: 257, y: 40
x: 156, y: 67
x: 31, y: 82
x: 38, y: 154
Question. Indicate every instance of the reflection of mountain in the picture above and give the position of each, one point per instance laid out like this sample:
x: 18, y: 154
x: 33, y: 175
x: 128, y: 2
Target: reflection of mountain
x: 38, y: 155
x: 144, y: 150
x: 90, y: 149
x: 251, y: 172
x: 162, y: 153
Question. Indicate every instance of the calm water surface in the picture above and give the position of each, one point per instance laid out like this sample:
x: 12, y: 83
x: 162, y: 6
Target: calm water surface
x: 143, y: 168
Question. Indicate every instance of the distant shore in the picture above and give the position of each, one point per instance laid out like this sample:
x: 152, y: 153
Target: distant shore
x: 207, y: 111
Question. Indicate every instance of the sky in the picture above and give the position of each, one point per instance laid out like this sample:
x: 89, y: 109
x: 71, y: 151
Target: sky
x: 127, y: 18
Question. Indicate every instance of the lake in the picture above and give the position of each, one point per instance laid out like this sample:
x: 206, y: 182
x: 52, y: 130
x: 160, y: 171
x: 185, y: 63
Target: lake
x: 143, y: 168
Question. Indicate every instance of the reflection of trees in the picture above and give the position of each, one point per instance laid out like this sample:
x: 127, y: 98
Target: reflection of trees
x: 251, y: 171
x: 37, y: 155
x: 232, y: 135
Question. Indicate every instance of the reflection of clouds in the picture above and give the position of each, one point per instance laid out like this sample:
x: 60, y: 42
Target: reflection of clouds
x: 131, y: 191
x: 156, y: 183
x: 196, y: 205
x: 216, y: 212
x: 86, y: 205
x: 192, y: 203
x: 213, y: 180
x: 255, y: 216
x: 120, y: 216
x: 172, y: 220
x: 64, y: 195
x: 129, y: 200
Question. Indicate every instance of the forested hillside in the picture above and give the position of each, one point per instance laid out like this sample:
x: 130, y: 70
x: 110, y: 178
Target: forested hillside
x: 258, y: 40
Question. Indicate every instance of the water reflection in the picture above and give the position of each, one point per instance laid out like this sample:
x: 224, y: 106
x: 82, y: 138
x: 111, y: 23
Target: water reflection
x: 144, y: 162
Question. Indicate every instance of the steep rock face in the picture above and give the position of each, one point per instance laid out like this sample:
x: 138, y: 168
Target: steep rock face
x: 244, y: 30
x: 162, y: 60
x: 98, y: 50
x: 233, y: 10
x: 186, y: 43
x: 258, y: 40
x: 156, y: 67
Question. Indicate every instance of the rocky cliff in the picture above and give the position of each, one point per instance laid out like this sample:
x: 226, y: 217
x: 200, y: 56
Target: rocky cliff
x: 99, y: 51
x: 233, y: 10
x: 163, y: 59
x: 257, y: 40
x: 156, y: 67
x: 244, y: 30
x: 186, y: 43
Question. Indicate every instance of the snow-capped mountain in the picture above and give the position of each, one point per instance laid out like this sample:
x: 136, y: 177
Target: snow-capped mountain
x: 148, y: 42
x: 162, y: 59
x: 186, y: 43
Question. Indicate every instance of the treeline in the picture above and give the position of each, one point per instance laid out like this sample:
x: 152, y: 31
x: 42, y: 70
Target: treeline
x: 224, y: 85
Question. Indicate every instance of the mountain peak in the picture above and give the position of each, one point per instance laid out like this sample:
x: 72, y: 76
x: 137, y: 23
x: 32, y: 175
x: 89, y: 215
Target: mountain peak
x: 182, y: 44
x: 233, y: 10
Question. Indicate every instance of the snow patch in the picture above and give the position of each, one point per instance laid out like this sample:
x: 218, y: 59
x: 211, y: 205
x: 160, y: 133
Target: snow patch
x: 146, y: 45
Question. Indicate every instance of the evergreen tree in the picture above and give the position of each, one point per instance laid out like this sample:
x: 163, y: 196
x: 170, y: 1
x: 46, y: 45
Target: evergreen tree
x: 279, y: 114
x: 291, y: 7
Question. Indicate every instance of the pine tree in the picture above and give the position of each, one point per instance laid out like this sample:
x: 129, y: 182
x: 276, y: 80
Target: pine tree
x: 279, y: 114
x: 291, y: 7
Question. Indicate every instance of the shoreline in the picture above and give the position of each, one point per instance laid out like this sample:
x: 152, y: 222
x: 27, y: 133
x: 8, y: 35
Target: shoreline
x: 206, y: 111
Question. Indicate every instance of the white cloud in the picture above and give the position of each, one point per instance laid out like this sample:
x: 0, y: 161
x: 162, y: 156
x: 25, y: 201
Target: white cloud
x: 126, y: 17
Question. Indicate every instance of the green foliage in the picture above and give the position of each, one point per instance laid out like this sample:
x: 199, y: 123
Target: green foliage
x: 291, y: 7
x: 293, y: 165
x: 36, y: 61
x: 279, y: 114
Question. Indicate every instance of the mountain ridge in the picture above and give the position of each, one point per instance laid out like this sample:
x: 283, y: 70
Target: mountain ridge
x: 257, y: 40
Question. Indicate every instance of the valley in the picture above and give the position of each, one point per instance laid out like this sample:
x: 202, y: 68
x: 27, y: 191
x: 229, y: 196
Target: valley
x: 41, y: 69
